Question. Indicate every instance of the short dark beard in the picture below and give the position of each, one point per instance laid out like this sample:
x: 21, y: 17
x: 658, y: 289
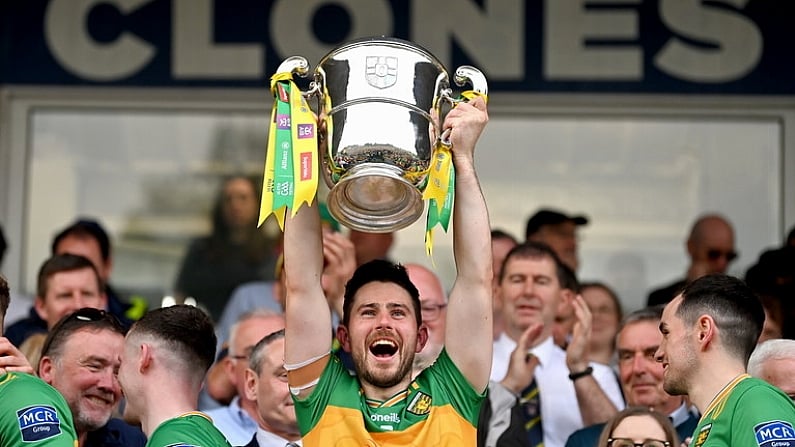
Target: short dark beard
x: 365, y: 375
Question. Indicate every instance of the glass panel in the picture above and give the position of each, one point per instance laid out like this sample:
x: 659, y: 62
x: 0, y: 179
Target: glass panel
x: 150, y: 177
x: 642, y: 182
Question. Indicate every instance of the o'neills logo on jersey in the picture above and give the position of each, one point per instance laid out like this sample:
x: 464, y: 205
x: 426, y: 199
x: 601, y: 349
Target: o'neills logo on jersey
x: 391, y: 417
x: 775, y: 434
x: 38, y: 422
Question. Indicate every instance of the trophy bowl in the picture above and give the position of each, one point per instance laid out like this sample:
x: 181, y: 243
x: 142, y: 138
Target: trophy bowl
x: 378, y: 99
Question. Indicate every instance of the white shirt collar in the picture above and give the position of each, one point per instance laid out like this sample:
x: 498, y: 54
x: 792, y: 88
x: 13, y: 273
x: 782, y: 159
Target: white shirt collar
x: 680, y: 415
x: 268, y: 439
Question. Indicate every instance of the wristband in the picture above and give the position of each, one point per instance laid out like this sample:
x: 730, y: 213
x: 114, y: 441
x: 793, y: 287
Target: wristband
x: 579, y: 375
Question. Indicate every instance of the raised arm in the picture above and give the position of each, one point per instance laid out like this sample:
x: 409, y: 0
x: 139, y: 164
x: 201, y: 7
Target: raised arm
x: 308, y: 319
x: 468, y: 336
x: 594, y: 402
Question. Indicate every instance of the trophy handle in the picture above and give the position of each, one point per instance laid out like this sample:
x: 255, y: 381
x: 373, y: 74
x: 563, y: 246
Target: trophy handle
x: 294, y: 64
x: 300, y: 66
x: 464, y: 74
x: 468, y: 73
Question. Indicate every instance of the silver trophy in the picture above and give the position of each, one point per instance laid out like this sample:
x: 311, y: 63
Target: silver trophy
x: 377, y: 99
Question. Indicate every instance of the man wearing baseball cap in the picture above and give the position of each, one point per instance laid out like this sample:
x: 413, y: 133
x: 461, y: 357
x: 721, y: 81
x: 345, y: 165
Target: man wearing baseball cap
x: 557, y: 230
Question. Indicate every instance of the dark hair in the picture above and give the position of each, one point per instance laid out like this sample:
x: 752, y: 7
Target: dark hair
x: 610, y: 293
x: 187, y: 330
x: 665, y: 423
x: 87, y: 318
x: 64, y: 263
x: 382, y: 271
x: 737, y: 311
x: 532, y: 249
x: 259, y: 350
x: 497, y: 233
x: 258, y: 246
x: 85, y: 228
x: 5, y: 298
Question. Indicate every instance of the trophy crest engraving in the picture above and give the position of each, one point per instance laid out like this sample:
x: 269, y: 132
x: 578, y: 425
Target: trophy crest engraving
x: 382, y: 71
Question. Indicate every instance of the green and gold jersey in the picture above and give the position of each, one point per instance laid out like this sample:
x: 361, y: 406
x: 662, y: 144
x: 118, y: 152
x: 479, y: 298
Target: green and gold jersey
x: 193, y: 429
x: 439, y: 408
x: 32, y: 413
x: 748, y: 412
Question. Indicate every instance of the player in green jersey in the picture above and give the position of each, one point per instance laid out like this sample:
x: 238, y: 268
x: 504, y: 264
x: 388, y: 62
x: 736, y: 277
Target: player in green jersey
x: 32, y: 413
x: 165, y: 358
x: 382, y: 329
x: 709, y: 332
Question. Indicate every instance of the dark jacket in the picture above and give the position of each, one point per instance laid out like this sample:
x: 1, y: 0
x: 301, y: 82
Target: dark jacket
x: 116, y: 433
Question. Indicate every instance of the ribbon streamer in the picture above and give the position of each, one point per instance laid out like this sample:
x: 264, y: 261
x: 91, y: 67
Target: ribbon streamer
x: 290, y: 176
x: 441, y: 184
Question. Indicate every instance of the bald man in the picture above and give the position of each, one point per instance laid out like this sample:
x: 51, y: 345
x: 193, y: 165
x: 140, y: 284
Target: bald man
x: 710, y: 247
x: 433, y: 306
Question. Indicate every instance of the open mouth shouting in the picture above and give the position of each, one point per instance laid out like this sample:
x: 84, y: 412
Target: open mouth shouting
x: 383, y: 348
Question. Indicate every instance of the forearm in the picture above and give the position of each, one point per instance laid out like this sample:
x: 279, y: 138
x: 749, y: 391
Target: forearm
x: 595, y: 406
x: 468, y: 334
x: 471, y: 228
x: 308, y: 328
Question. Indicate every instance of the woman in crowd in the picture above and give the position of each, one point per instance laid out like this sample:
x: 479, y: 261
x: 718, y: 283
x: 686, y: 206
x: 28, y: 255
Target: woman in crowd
x: 234, y: 253
x: 639, y: 427
x: 607, y: 315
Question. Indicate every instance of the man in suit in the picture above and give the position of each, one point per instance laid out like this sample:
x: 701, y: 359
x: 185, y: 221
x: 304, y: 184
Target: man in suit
x: 239, y: 420
x: 266, y: 383
x: 641, y: 377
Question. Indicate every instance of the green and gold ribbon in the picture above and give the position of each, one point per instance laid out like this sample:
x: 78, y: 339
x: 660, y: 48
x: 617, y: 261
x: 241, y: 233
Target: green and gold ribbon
x: 441, y: 185
x: 290, y: 178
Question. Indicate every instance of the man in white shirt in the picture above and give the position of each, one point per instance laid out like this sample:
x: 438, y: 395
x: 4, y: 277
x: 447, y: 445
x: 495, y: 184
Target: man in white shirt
x: 266, y: 384
x: 573, y: 392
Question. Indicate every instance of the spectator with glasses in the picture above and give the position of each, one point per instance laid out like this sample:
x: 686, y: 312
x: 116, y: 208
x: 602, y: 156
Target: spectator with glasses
x: 710, y: 247
x: 25, y: 399
x: 80, y: 358
x: 433, y: 308
x: 639, y: 427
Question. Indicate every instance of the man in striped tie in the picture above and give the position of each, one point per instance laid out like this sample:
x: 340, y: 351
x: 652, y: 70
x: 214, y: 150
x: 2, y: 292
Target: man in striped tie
x: 560, y: 391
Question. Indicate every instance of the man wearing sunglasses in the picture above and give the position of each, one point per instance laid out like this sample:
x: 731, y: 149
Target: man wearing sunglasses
x: 80, y: 358
x: 32, y: 413
x: 710, y: 247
